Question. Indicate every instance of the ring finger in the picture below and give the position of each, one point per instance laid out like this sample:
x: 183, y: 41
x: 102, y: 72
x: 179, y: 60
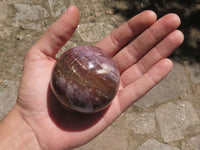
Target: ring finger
x: 159, y: 52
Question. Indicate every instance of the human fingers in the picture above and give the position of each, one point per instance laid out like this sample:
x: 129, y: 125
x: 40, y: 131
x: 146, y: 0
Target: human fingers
x: 159, y: 52
x: 58, y: 34
x: 144, y: 42
x: 141, y: 86
x: 126, y: 32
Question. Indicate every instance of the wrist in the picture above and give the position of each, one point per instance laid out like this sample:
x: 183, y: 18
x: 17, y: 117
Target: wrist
x: 16, y: 134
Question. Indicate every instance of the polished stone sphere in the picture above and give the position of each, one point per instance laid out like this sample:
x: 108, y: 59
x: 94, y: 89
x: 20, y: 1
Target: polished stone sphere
x: 85, y: 79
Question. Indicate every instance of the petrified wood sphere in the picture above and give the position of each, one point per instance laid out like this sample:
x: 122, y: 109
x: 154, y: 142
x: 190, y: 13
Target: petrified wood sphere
x: 85, y: 79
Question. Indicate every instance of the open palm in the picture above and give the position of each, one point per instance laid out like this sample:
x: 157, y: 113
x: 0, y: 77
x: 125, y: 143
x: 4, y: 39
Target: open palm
x: 139, y: 48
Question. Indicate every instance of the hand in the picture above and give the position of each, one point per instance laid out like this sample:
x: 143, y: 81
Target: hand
x: 139, y: 47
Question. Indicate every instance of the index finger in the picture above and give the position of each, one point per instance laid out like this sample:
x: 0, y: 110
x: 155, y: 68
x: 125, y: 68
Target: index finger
x: 126, y: 32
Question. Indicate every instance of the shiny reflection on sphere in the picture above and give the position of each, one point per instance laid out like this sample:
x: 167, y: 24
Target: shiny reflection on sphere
x: 85, y: 79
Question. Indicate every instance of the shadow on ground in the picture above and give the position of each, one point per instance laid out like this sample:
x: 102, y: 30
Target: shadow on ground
x: 189, y: 12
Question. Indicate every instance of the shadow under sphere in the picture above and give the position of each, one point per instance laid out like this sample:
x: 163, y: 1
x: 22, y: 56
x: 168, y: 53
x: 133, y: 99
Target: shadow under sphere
x: 69, y: 120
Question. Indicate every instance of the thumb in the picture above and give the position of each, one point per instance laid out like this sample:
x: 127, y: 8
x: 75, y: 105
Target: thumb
x: 58, y: 34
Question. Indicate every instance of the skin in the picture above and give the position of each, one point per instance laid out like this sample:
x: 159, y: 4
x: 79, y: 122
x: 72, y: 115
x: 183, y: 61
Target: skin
x: 139, y: 47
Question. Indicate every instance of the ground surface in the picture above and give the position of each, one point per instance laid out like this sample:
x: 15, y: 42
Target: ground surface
x: 167, y: 118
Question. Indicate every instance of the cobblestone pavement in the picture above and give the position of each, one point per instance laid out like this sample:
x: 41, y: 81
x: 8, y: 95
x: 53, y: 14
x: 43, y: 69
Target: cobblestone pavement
x: 167, y: 118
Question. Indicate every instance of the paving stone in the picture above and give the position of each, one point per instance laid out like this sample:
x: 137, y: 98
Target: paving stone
x: 112, y: 138
x: 25, y: 1
x: 8, y: 96
x: 3, y: 8
x: 5, y: 21
x: 143, y: 123
x: 174, y: 118
x: 4, y: 32
x: 155, y: 145
x: 93, y: 32
x: 194, y: 69
x: 120, y: 122
x: 194, y: 142
x: 185, y: 146
x: 30, y: 16
x: 174, y: 85
x: 89, y: 8
x: 57, y: 7
x: 12, y: 60
x: 194, y: 39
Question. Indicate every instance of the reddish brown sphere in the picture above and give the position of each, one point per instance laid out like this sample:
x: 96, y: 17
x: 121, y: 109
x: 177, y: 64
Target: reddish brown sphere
x: 85, y: 79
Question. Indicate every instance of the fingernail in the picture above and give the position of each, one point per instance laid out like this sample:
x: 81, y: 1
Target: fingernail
x: 69, y: 9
